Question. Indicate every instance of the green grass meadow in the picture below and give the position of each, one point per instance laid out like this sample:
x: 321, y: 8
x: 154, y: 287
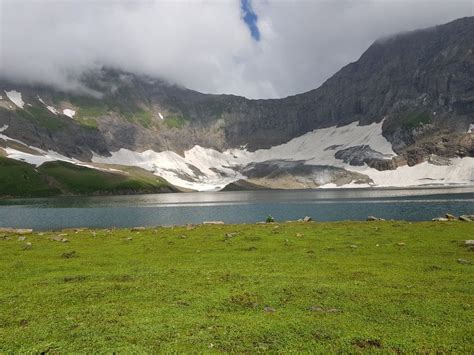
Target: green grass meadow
x: 346, y: 287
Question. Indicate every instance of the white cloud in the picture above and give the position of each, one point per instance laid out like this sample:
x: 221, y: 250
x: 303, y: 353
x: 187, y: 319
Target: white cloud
x: 204, y: 45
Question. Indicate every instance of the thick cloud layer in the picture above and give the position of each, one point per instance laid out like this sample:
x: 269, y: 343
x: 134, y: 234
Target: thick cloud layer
x: 204, y: 45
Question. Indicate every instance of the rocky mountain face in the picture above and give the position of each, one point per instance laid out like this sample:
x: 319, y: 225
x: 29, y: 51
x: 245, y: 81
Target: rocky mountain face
x: 419, y: 85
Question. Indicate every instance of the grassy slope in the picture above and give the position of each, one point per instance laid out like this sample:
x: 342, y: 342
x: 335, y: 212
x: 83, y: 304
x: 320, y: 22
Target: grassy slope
x: 19, y: 179
x: 82, y: 180
x: 182, y: 290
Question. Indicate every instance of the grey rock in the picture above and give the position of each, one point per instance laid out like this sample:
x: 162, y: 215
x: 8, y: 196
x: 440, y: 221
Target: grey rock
x: 307, y: 219
x: 464, y: 261
x: 373, y: 218
x: 213, y: 222
x: 23, y: 231
x: 269, y: 309
x: 440, y: 219
x: 465, y: 218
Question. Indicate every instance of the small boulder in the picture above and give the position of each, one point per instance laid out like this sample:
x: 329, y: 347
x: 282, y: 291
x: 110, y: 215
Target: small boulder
x: 307, y: 219
x: 450, y: 216
x: 440, y: 219
x: 21, y: 239
x: 23, y: 231
x: 138, y: 229
x: 401, y: 244
x: 213, y: 222
x: 373, y: 218
x: 463, y: 261
x: 27, y: 246
x: 269, y: 309
x: 353, y: 246
x: 299, y: 235
x: 469, y: 243
x: 465, y: 218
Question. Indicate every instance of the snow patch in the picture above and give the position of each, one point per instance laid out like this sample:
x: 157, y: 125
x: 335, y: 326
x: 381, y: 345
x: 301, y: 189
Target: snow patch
x: 3, y: 128
x: 460, y: 171
x: 42, y: 156
x: 15, y: 97
x: 161, y: 116
x: 68, y: 112
x: 471, y: 128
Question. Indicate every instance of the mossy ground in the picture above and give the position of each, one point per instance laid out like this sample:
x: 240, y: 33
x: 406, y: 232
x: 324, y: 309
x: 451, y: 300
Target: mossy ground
x: 331, y: 287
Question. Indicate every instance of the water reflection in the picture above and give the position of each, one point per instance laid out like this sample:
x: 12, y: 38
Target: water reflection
x: 234, y: 207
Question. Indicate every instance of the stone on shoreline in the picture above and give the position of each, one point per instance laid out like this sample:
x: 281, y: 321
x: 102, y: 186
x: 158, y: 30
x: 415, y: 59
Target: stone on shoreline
x: 465, y: 218
x: 213, y: 222
x: 373, y: 218
x: 138, y: 229
x: 440, y: 219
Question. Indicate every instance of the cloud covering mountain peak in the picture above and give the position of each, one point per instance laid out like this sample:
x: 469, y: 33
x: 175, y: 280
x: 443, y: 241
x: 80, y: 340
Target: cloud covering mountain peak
x: 203, y: 45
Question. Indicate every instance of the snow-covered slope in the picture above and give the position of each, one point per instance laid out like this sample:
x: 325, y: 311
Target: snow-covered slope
x: 205, y: 169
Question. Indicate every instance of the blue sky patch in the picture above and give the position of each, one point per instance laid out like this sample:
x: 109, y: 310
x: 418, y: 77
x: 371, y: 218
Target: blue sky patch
x: 250, y: 18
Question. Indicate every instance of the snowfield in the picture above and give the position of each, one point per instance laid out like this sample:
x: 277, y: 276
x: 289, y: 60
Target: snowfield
x: 15, y: 97
x: 205, y: 169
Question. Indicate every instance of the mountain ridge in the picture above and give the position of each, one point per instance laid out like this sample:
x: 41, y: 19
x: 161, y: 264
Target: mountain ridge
x: 418, y: 86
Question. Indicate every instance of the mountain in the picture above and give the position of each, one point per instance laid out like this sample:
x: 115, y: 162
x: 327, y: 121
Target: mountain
x: 401, y: 115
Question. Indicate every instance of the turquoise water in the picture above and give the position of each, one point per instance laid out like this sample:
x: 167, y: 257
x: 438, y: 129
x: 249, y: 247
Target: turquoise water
x: 235, y: 207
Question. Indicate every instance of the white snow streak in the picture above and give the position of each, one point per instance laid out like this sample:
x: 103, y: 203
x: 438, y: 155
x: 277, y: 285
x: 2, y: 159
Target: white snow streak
x: 41, y: 156
x: 15, y: 97
x: 3, y: 128
x: 50, y: 108
x: 161, y: 116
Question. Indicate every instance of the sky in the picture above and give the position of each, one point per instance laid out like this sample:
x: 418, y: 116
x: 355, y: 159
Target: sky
x: 254, y: 48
